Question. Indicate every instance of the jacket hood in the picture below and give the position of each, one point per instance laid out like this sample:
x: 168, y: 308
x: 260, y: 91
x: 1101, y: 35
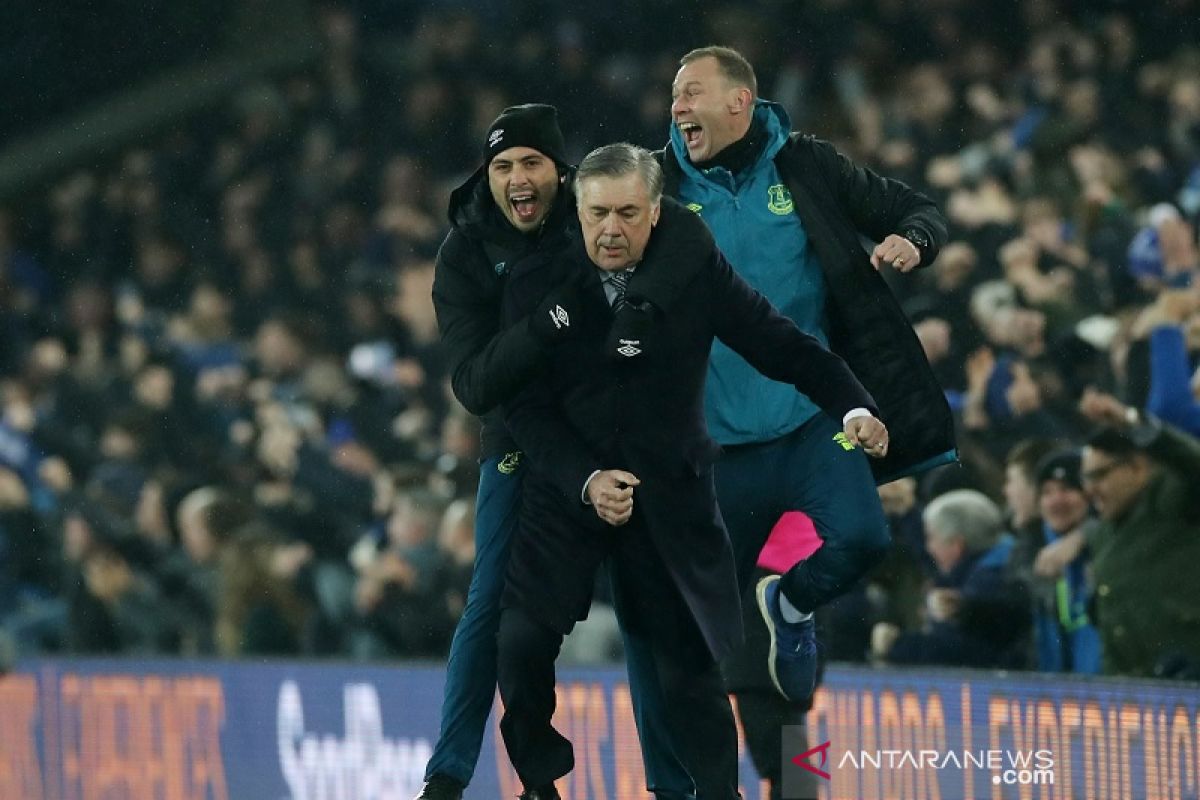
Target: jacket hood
x: 770, y: 115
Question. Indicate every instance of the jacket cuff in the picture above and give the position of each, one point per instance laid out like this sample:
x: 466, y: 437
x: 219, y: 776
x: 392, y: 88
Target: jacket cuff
x: 855, y: 413
x: 583, y: 494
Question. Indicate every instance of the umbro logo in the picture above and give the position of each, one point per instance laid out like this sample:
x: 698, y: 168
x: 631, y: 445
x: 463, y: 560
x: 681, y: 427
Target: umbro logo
x: 560, y: 317
x: 629, y: 347
x: 495, y: 137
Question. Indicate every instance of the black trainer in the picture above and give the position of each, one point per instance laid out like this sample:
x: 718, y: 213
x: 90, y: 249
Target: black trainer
x: 547, y: 792
x: 441, y: 787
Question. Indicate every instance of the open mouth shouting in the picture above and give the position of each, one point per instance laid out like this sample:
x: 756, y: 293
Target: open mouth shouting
x: 693, y: 135
x: 525, y: 206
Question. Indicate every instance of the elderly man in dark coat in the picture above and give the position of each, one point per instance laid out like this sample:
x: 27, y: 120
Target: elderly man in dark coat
x: 622, y: 462
x: 978, y: 611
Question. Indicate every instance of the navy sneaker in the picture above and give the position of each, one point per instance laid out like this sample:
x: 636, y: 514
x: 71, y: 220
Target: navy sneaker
x: 792, y: 661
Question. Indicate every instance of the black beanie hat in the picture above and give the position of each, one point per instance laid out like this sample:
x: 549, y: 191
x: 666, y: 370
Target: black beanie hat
x: 532, y: 125
x: 1062, y: 466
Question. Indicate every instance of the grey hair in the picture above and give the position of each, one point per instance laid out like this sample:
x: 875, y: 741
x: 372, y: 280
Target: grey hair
x: 965, y: 513
x: 618, y: 160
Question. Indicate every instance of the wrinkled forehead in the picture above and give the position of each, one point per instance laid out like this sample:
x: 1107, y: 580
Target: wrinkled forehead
x: 614, y: 191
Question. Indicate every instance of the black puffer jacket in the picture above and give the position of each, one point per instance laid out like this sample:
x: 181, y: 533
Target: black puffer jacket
x: 487, y: 365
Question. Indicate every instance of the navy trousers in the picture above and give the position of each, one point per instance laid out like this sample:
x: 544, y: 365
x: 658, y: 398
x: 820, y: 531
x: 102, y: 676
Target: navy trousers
x: 471, y: 670
x: 808, y: 470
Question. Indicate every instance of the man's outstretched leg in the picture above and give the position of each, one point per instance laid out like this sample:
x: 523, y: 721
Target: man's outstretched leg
x: 814, y: 471
x: 834, y: 485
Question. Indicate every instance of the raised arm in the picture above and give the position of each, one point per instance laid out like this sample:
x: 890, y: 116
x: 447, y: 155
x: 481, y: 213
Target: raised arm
x: 1170, y: 396
x: 882, y: 206
x: 773, y: 345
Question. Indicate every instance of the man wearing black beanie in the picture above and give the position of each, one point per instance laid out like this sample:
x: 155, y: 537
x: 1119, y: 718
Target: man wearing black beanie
x: 516, y: 209
x: 1065, y: 638
x: 525, y: 164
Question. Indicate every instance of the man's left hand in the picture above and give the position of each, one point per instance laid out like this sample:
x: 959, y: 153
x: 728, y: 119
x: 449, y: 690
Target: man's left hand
x: 897, y: 251
x: 870, y: 433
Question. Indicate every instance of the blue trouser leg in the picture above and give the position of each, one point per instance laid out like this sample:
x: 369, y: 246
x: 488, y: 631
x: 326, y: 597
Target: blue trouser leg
x: 809, y: 471
x: 666, y: 776
x: 471, y: 671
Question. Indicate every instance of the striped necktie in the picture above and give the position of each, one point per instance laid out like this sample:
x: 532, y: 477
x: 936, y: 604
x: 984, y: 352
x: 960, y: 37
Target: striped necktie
x: 619, y: 281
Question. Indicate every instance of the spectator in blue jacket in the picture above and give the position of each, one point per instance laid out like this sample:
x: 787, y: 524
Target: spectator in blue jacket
x: 1065, y: 638
x: 1171, y: 323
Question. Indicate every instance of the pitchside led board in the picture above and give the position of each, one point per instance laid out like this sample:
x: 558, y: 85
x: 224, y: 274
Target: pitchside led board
x: 182, y: 730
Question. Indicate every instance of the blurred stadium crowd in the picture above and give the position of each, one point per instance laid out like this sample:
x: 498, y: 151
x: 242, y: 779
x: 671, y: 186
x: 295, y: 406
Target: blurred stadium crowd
x: 226, y: 424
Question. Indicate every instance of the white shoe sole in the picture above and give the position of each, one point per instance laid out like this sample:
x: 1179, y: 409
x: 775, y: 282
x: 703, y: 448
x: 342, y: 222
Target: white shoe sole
x: 761, y: 595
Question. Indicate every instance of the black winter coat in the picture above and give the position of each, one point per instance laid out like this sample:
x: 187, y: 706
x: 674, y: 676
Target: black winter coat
x: 596, y: 410
x: 487, y: 365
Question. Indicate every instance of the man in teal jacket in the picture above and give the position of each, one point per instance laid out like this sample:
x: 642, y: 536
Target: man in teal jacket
x: 791, y: 213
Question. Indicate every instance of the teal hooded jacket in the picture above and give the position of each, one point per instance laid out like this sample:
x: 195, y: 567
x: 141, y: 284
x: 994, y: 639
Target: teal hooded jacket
x: 797, y: 226
x: 751, y: 215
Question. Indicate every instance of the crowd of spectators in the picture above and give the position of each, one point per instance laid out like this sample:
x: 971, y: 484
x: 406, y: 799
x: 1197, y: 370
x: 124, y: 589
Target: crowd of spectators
x: 226, y: 427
